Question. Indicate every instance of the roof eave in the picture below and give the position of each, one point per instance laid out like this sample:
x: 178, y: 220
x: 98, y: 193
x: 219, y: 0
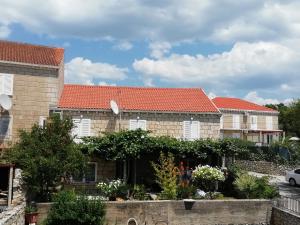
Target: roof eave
x: 30, y: 64
x: 244, y: 110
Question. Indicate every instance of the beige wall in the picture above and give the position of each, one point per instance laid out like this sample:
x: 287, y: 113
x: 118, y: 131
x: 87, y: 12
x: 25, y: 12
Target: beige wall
x: 34, y: 90
x: 245, y: 120
x: 170, y: 124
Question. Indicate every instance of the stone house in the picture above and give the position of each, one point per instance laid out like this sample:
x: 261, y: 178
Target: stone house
x: 248, y: 121
x: 184, y: 113
x: 32, y: 76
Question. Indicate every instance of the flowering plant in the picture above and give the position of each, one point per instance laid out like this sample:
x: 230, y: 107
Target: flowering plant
x: 206, y: 177
x: 208, y: 173
x: 111, y: 189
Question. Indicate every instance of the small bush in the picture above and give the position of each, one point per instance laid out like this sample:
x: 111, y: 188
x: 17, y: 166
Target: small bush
x: 139, y: 193
x: 68, y: 209
x: 186, y: 191
x: 166, y: 176
x: 249, y: 186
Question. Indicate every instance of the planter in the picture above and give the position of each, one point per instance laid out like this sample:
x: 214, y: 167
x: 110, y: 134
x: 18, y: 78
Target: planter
x: 188, y: 203
x: 31, y: 218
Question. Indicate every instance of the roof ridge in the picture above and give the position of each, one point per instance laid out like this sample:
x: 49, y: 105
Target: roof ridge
x: 29, y: 44
x: 133, y: 87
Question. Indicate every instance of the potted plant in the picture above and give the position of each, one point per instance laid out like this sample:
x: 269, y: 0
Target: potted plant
x: 31, y: 214
x: 112, y: 189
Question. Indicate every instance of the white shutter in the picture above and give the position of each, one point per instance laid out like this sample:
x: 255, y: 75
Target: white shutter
x: 195, y: 130
x: 1, y: 83
x: 8, y: 84
x: 76, y: 128
x: 221, y: 122
x: 269, y: 122
x: 42, y: 121
x: 236, y: 121
x: 142, y: 124
x: 85, y: 128
x: 133, y: 124
x: 187, y: 130
x: 253, y: 120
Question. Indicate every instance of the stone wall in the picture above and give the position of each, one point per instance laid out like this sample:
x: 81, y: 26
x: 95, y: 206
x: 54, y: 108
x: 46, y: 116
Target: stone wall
x: 262, y: 167
x: 35, y: 89
x: 160, y: 124
x: 13, y: 216
x: 203, y: 212
x: 283, y: 217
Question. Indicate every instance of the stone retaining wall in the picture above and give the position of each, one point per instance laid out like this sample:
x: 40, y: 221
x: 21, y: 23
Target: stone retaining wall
x: 13, y: 216
x: 283, y: 217
x: 178, y: 213
x: 262, y: 167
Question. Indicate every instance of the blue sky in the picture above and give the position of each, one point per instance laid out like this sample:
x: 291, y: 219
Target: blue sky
x: 247, y: 49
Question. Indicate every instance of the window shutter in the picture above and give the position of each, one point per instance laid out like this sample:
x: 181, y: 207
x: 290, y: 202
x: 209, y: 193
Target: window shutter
x: 142, y: 124
x: 42, y: 121
x: 8, y: 84
x: 85, y: 128
x: 195, y: 131
x: 254, y: 122
x: 5, y: 127
x: 76, y: 128
x: 221, y: 122
x: 186, y: 129
x: 236, y: 121
x: 269, y: 122
x: 133, y: 124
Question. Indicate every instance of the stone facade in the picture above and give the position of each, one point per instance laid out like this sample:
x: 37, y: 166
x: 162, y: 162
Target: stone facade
x: 35, y: 89
x: 284, y: 217
x: 262, y: 167
x: 201, y: 212
x: 13, y: 216
x: 160, y: 124
x: 261, y: 134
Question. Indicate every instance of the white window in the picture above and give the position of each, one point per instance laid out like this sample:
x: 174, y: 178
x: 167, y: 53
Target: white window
x: 221, y: 122
x: 137, y: 124
x: 191, y: 130
x: 6, y: 83
x: 253, y: 122
x: 82, y: 128
x: 269, y: 122
x: 236, y: 121
x: 5, y: 127
x: 42, y: 121
x: 90, y: 174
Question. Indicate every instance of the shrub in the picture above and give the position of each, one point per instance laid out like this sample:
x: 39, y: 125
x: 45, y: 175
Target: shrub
x: 139, y: 193
x: 249, y: 186
x: 68, y: 209
x: 206, y: 177
x: 166, y: 176
x: 186, y: 191
x: 112, y: 189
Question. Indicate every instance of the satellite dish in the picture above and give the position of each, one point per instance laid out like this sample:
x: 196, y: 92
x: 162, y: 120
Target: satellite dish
x: 114, y: 107
x: 5, y: 102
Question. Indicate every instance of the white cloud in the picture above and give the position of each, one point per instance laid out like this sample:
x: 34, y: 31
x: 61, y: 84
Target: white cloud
x: 123, y: 46
x: 244, y: 60
x: 211, y: 95
x: 80, y: 70
x: 159, y: 49
x: 103, y: 83
x: 170, y: 20
x: 254, y: 97
x: 4, y: 31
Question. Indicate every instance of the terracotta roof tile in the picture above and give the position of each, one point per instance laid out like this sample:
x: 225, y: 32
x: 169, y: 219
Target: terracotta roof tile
x: 30, y: 54
x: 239, y: 104
x: 136, y: 98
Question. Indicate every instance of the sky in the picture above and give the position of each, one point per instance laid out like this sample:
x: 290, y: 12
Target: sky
x: 248, y: 49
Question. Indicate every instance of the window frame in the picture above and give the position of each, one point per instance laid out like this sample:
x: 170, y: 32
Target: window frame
x: 236, y: 121
x: 83, y: 181
x: 252, y: 127
x: 137, y: 121
x: 8, y: 135
x: 190, y: 122
x: 269, y: 122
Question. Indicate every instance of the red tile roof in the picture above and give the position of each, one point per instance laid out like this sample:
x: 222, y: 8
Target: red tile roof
x: 30, y: 54
x: 136, y: 98
x: 239, y: 104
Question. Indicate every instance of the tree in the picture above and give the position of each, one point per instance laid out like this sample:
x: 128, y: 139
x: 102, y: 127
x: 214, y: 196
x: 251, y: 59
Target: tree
x: 47, y: 156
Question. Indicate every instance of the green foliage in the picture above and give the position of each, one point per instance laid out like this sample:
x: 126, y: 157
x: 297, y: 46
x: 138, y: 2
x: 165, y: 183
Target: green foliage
x: 166, y: 176
x: 68, y: 209
x: 250, y: 186
x: 206, y: 177
x: 112, y: 189
x: 184, y: 192
x: 46, y: 156
x: 139, y: 193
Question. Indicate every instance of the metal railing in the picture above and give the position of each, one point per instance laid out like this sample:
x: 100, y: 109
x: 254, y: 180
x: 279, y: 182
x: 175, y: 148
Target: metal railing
x: 289, y: 203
